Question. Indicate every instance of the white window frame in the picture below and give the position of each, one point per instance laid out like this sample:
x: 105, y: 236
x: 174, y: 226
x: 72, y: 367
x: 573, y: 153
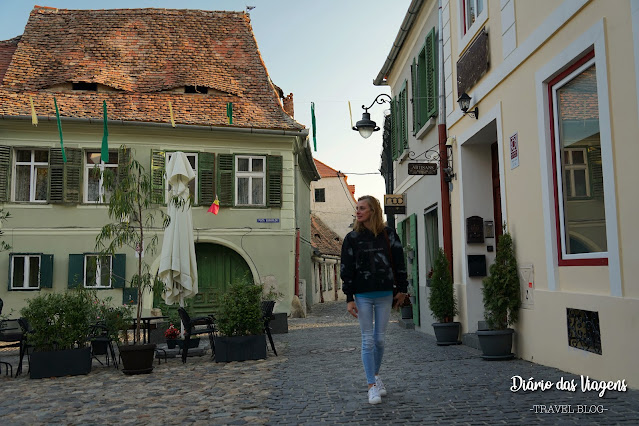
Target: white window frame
x: 559, y: 161
x: 98, y: 271
x: 250, y: 175
x: 27, y: 271
x: 570, y: 167
x: 32, y: 174
x: 87, y: 169
x: 167, y: 193
x: 466, y: 34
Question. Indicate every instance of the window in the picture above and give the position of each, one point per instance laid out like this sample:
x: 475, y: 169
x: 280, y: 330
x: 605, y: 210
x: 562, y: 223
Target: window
x: 97, y: 271
x: 30, y: 271
x: 31, y: 182
x: 250, y: 180
x: 196, y: 89
x: 320, y: 196
x: 424, y: 83
x: 94, y: 168
x: 578, y: 177
x: 472, y: 9
x: 83, y: 85
x: 193, y: 185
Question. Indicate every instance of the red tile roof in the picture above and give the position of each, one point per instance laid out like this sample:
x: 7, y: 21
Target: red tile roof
x: 324, y: 239
x: 142, y: 54
x: 6, y: 52
x: 326, y: 171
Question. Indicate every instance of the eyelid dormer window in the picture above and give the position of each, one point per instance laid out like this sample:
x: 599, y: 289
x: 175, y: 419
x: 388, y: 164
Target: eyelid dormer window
x: 83, y: 85
x: 196, y: 89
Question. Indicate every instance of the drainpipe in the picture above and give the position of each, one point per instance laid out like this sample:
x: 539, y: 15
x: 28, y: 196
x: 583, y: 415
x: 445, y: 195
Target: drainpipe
x: 297, y: 262
x: 443, y: 154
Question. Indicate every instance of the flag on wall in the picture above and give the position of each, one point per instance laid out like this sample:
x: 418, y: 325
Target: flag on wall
x: 229, y: 111
x: 105, y: 137
x: 34, y: 117
x: 57, y: 114
x: 314, y: 125
x: 215, y: 207
x: 171, y: 114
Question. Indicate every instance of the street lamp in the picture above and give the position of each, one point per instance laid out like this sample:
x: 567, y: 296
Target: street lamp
x: 366, y: 126
x: 464, y: 104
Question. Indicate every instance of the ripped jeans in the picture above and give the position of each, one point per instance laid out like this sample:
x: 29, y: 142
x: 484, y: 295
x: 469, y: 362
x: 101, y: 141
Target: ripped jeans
x: 379, y: 309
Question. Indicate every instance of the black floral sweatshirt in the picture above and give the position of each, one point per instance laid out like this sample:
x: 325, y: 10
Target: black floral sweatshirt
x: 366, y: 263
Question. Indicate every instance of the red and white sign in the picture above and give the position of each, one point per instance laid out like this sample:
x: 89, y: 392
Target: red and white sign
x: 514, y: 151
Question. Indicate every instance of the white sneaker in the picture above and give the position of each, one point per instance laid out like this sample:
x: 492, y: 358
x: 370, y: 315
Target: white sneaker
x: 380, y: 386
x: 373, y: 395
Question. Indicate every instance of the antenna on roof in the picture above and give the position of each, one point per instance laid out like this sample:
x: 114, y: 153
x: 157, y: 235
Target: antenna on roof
x: 249, y: 8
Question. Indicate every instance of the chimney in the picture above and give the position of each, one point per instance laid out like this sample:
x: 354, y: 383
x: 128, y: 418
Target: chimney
x: 287, y: 103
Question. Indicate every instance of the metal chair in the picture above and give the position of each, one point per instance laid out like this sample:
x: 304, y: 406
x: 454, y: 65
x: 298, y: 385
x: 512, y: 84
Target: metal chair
x: 190, y: 330
x: 101, y: 343
x: 267, y: 316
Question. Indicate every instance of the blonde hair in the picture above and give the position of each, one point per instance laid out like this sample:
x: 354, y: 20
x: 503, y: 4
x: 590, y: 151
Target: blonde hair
x: 376, y: 220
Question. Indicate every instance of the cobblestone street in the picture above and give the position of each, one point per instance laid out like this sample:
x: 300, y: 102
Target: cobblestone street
x: 318, y: 378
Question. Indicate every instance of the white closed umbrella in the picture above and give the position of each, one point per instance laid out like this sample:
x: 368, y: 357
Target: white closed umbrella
x: 178, y: 266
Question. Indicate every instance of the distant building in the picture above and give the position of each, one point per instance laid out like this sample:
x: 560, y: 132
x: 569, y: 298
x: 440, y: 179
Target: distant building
x: 327, y: 248
x: 333, y: 199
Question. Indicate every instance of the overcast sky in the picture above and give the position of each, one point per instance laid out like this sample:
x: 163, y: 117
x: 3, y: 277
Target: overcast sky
x: 323, y: 51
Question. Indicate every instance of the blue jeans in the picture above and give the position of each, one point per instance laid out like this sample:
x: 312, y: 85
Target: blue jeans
x: 368, y: 308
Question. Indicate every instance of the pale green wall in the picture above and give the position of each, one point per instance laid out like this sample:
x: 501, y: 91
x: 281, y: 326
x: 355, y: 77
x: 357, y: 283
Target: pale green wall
x: 268, y: 248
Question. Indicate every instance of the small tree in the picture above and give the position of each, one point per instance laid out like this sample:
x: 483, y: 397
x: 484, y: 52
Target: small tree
x: 442, y: 301
x: 133, y: 210
x: 241, y: 312
x: 501, y: 287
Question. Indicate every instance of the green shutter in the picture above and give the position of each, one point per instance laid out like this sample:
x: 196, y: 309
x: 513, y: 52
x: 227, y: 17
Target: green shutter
x: 274, y: 181
x: 394, y: 128
x: 415, y: 96
x: 431, y: 75
x: 225, y: 179
x: 422, y: 87
x: 46, y: 271
x: 415, y: 267
x: 157, y: 175
x: 9, y: 270
x: 76, y: 270
x: 118, y: 273
x: 5, y: 172
x: 400, y: 231
x: 403, y: 141
x: 206, y: 171
x: 65, y: 179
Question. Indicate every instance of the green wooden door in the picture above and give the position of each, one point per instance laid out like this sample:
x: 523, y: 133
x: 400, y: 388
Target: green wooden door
x: 217, y: 267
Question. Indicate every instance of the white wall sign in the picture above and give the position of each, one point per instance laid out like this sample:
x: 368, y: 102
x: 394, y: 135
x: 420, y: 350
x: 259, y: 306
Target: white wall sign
x: 514, y: 151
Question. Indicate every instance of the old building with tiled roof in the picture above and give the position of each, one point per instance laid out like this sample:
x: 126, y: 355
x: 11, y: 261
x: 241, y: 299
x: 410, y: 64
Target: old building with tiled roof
x: 172, y: 80
x: 327, y: 249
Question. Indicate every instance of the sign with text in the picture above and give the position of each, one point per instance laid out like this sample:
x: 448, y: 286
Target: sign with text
x: 268, y: 220
x: 394, y: 204
x: 514, y: 151
x: 422, y: 168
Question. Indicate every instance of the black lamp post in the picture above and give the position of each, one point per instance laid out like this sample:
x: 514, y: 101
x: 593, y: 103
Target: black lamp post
x: 464, y: 104
x: 366, y: 126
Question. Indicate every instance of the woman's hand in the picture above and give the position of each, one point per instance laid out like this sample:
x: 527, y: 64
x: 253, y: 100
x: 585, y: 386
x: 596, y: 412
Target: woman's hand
x: 351, y: 307
x: 399, y: 299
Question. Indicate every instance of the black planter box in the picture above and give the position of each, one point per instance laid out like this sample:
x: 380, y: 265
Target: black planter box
x: 240, y: 348
x: 279, y: 323
x: 137, y: 359
x: 69, y: 362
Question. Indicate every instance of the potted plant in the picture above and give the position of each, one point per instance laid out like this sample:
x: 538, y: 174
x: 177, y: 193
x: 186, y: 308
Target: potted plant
x: 501, y: 302
x: 279, y: 321
x: 172, y: 336
x: 114, y: 321
x: 132, y: 208
x: 60, y: 325
x: 240, y: 324
x: 442, y: 302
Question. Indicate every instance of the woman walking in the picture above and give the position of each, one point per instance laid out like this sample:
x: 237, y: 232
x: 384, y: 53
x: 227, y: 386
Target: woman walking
x: 372, y: 264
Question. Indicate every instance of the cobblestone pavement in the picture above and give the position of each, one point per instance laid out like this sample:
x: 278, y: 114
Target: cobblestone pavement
x: 317, y: 378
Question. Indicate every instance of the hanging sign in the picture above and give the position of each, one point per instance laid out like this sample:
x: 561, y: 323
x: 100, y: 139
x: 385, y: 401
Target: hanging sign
x: 422, y: 168
x: 394, y: 204
x: 514, y: 151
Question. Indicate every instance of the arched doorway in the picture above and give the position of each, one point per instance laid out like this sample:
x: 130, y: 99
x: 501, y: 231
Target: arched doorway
x: 217, y: 267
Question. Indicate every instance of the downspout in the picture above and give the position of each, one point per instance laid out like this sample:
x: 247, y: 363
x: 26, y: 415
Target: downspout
x: 443, y: 154
x: 297, y: 262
